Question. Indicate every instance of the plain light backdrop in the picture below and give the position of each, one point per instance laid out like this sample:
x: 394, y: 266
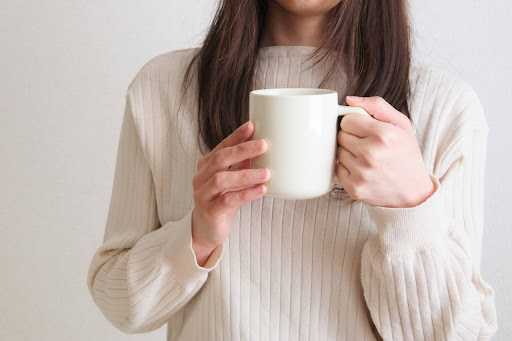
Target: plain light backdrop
x: 64, y: 69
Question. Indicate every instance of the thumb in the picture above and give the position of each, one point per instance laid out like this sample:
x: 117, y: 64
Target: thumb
x: 380, y: 109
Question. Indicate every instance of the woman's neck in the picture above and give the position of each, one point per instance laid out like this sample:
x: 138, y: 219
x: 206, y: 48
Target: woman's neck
x: 282, y: 27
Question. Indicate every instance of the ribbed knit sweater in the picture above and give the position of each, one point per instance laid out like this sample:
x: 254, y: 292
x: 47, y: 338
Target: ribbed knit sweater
x: 315, y: 269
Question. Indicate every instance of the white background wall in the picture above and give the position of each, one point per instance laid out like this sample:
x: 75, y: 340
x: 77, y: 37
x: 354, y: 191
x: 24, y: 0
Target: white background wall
x: 64, y: 67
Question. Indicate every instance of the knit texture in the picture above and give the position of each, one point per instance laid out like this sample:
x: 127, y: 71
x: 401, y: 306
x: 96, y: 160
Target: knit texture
x: 315, y: 269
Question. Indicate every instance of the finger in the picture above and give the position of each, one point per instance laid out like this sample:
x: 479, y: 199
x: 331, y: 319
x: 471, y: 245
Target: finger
x: 234, y: 189
x: 343, y: 173
x: 380, y: 109
x: 225, y: 157
x: 359, y: 125
x: 244, y: 164
x: 240, y: 135
x: 347, y: 159
x: 237, y: 198
x: 351, y: 142
x: 222, y: 182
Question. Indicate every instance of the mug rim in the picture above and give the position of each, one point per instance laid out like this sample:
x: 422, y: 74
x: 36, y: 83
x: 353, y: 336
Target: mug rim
x: 282, y: 92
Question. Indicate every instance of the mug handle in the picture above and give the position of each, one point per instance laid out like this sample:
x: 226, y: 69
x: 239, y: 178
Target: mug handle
x: 343, y: 110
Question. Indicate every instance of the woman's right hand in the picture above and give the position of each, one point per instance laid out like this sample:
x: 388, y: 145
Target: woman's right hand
x: 220, y: 190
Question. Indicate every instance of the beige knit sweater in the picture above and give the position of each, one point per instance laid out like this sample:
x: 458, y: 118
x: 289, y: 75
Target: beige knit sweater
x: 316, y: 269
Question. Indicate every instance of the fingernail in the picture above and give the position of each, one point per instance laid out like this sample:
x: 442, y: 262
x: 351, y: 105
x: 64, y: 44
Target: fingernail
x: 247, y: 125
x: 262, y: 173
x: 355, y: 98
x: 258, y: 144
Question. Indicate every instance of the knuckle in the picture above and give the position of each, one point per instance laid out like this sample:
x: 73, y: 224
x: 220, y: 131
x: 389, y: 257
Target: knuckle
x: 365, y: 175
x: 225, y: 199
x: 244, y: 195
x: 379, y: 100
x: 217, y: 180
x: 248, y: 148
x: 245, y: 177
x: 233, y: 153
x: 228, y: 199
x: 242, y: 148
x: 216, y: 157
x: 370, y: 156
x: 219, y: 157
x: 383, y: 137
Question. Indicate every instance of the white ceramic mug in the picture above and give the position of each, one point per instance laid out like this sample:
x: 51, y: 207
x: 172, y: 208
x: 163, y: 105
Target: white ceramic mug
x: 299, y: 126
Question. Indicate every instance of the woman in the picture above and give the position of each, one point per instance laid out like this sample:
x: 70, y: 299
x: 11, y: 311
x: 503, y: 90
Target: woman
x: 191, y: 241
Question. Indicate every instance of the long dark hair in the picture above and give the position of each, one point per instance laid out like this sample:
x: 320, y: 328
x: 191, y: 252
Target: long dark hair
x: 372, y: 37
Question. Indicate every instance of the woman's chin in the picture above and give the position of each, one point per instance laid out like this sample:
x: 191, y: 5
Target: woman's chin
x: 307, y: 7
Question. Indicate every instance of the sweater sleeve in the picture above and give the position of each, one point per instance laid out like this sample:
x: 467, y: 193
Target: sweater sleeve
x: 420, y: 272
x: 143, y: 272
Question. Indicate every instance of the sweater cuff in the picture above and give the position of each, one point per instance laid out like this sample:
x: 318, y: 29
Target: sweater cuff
x: 179, y: 257
x: 402, y: 231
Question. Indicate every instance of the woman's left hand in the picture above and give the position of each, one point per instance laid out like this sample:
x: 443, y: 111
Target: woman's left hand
x: 380, y: 162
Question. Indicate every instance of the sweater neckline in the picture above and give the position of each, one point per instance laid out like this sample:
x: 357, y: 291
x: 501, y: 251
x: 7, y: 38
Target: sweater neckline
x: 288, y: 50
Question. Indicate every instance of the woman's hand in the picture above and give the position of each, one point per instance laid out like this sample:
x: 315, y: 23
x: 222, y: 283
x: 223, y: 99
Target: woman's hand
x: 380, y: 160
x: 220, y: 190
